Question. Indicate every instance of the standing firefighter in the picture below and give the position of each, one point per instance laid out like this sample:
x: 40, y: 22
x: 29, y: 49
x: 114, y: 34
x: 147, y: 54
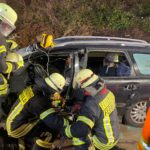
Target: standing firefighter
x: 144, y: 143
x: 34, y: 108
x: 97, y: 120
x: 9, y: 61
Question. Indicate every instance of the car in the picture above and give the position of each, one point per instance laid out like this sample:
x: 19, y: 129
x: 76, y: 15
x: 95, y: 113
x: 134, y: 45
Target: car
x: 131, y: 91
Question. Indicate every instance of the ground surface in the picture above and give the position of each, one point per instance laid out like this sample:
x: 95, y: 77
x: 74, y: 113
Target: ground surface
x: 129, y: 136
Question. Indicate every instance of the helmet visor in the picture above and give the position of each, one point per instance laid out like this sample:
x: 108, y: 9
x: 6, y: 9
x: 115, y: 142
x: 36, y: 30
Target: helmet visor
x: 6, y: 28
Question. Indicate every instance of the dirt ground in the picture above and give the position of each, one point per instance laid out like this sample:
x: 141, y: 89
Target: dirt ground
x: 129, y: 136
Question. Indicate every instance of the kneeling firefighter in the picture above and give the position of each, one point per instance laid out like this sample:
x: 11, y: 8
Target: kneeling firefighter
x: 33, y: 109
x: 97, y: 121
x: 9, y: 61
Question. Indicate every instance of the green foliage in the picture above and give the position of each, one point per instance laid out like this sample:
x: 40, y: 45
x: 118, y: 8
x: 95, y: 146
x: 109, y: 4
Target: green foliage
x: 120, y: 20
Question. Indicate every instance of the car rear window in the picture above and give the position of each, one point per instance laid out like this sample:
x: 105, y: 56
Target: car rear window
x: 143, y: 63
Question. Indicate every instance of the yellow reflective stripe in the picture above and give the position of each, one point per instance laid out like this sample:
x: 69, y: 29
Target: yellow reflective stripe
x: 108, y: 129
x: 22, y: 130
x: 102, y: 146
x: 68, y: 131
x: 9, y: 67
x: 86, y: 120
x: 16, y: 111
x: 13, y: 44
x: 2, y: 49
x: 66, y: 122
x: 20, y: 64
x: 43, y: 144
x: 3, y: 92
x: 108, y: 104
x: 25, y: 128
x: 77, y: 142
x: 3, y: 86
x: 46, y: 113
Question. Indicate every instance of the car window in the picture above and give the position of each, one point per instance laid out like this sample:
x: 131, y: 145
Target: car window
x: 108, y: 63
x: 143, y: 63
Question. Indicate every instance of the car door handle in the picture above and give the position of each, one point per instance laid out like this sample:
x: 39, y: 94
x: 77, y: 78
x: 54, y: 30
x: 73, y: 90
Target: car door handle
x: 130, y: 87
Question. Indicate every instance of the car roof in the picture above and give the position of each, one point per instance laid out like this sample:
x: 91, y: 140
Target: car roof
x: 69, y: 41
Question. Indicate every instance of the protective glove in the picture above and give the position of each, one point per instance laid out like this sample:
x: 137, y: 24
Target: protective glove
x: 47, y: 41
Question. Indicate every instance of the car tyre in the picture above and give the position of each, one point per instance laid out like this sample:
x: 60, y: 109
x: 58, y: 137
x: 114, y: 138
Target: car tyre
x: 136, y: 114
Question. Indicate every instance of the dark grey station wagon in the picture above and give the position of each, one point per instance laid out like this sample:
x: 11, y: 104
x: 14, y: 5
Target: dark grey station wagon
x: 132, y: 91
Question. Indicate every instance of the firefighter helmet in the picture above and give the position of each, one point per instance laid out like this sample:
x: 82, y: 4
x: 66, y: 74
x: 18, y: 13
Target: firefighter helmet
x: 8, y: 18
x: 15, y: 57
x: 112, y: 57
x: 56, y: 81
x: 85, y: 77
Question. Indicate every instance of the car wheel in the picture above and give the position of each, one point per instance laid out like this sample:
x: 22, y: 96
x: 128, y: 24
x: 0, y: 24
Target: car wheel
x: 136, y: 114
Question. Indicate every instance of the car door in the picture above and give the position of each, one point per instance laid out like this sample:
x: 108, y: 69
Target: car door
x: 123, y: 87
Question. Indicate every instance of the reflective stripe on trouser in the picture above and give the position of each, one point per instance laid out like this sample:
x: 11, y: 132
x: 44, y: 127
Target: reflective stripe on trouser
x: 77, y: 141
x: 102, y: 146
x: 3, y: 86
x: 68, y: 131
x: 44, y: 143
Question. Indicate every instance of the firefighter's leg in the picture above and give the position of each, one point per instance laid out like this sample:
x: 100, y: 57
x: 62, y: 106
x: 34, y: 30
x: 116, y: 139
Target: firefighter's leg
x: 43, y: 142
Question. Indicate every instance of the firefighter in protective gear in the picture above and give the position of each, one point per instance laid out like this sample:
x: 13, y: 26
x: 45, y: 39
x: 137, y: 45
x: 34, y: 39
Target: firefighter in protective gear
x: 97, y: 120
x: 144, y: 143
x: 8, y: 18
x: 33, y: 107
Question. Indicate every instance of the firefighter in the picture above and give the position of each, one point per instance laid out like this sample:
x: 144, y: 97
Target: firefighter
x: 34, y: 107
x: 144, y: 143
x: 9, y: 61
x: 97, y: 120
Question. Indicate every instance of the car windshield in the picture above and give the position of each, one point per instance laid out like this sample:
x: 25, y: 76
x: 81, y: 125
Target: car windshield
x: 143, y: 62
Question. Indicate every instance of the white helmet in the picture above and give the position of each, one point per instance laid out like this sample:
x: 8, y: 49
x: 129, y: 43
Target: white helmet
x: 8, y: 18
x: 56, y: 81
x: 85, y: 77
x: 15, y: 57
x: 112, y: 57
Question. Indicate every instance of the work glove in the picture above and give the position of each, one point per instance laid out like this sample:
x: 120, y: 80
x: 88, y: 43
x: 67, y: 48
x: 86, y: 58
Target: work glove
x: 47, y: 41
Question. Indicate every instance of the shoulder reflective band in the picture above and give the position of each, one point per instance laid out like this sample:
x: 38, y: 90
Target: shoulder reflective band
x: 77, y: 142
x: 9, y: 67
x: 2, y: 49
x: 86, y: 120
x: 68, y: 131
x: 46, y: 113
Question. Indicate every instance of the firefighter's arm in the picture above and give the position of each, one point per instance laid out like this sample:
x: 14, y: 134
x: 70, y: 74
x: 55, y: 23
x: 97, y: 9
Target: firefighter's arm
x: 85, y: 121
x: 11, y: 45
x: 48, y: 115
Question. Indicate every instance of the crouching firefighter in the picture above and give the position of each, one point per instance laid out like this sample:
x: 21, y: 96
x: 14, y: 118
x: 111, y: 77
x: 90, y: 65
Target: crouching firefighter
x: 97, y: 121
x: 34, y: 109
x: 9, y: 61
